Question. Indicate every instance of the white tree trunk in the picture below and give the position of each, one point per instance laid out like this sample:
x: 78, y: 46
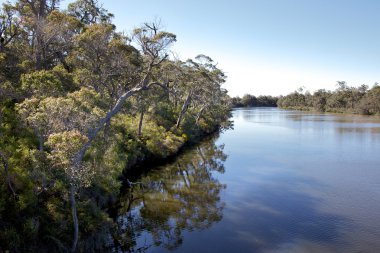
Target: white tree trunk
x: 183, y: 110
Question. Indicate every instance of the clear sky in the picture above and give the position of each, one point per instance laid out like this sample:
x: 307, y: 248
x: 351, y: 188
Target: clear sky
x: 269, y: 47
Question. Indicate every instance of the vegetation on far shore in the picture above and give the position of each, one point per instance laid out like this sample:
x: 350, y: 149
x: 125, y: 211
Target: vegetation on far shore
x: 357, y: 100
x: 345, y: 99
x: 252, y: 101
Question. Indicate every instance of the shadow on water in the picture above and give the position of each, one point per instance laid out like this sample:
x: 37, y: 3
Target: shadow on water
x: 181, y: 196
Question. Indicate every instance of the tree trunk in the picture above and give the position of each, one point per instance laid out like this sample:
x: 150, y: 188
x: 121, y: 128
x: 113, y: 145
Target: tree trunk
x: 75, y: 217
x: 140, y: 123
x: 40, y: 142
x: 39, y: 42
x: 5, y: 165
x: 92, y: 133
x: 107, y: 128
x: 38, y: 59
x: 184, y: 109
x: 91, y: 136
x: 199, y: 114
x: 62, y: 60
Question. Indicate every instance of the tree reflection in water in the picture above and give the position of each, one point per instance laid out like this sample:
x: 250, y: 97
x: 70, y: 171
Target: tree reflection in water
x: 182, y: 195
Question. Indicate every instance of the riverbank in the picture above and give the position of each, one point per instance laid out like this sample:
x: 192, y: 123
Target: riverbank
x: 182, y: 194
x: 118, y: 152
x: 345, y: 99
x: 330, y: 110
x: 133, y: 172
x: 283, y: 176
x: 91, y: 105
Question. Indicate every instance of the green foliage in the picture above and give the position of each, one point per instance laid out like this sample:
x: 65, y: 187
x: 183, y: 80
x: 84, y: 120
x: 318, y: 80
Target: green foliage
x: 161, y: 143
x: 252, y: 101
x: 89, y: 12
x: 65, y: 145
x: 344, y: 99
x: 293, y: 100
x: 164, y: 114
x: 41, y: 84
x: 370, y: 103
x: 64, y: 124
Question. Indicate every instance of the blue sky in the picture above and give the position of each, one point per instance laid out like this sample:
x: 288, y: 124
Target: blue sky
x: 269, y: 46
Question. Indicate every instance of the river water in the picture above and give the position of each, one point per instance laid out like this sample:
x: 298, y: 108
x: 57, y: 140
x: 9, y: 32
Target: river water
x: 280, y: 181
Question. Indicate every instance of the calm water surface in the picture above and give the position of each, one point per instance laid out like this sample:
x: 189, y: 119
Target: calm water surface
x: 281, y: 181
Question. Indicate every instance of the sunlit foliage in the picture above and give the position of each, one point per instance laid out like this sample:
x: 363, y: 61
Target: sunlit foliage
x: 79, y: 104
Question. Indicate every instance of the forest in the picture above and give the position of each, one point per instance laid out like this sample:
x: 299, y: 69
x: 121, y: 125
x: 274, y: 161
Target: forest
x: 345, y: 99
x: 252, y: 101
x: 80, y: 104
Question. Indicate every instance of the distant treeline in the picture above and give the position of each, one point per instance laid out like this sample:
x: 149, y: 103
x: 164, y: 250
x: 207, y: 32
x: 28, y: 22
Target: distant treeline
x: 251, y: 101
x: 344, y: 99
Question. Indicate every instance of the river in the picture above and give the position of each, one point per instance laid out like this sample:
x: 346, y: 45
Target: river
x: 280, y: 181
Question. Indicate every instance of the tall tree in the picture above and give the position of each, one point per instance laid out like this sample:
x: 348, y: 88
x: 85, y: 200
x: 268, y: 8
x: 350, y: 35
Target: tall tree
x: 89, y: 12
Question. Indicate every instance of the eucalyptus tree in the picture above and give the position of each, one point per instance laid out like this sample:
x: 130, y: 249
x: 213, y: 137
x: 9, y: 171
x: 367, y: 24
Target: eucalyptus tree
x: 211, y: 97
x: 89, y: 12
x: 35, y: 12
x: 9, y: 25
x: 105, y: 61
x: 200, y: 86
x: 344, y: 99
x: 58, y: 33
x: 12, y: 48
x: 295, y: 99
x: 189, y: 83
x: 66, y: 75
x: 370, y: 102
x: 109, y: 71
x: 319, y: 100
x: 153, y: 45
x: 142, y: 103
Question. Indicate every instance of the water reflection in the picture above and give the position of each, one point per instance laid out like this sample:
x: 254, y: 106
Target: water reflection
x: 274, y: 213
x: 297, y: 182
x: 301, y: 182
x: 322, y: 124
x: 177, y: 197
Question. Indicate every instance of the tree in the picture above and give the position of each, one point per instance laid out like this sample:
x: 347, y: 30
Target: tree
x: 105, y: 61
x: 65, y: 78
x: 9, y: 25
x: 320, y: 99
x: 89, y: 12
x: 369, y: 104
x: 35, y: 13
x: 153, y: 45
x: 199, y: 86
x: 343, y: 99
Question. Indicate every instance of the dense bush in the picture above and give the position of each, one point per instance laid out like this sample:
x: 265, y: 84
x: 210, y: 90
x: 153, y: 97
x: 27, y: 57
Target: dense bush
x: 80, y: 103
x: 360, y: 100
x: 252, y: 101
